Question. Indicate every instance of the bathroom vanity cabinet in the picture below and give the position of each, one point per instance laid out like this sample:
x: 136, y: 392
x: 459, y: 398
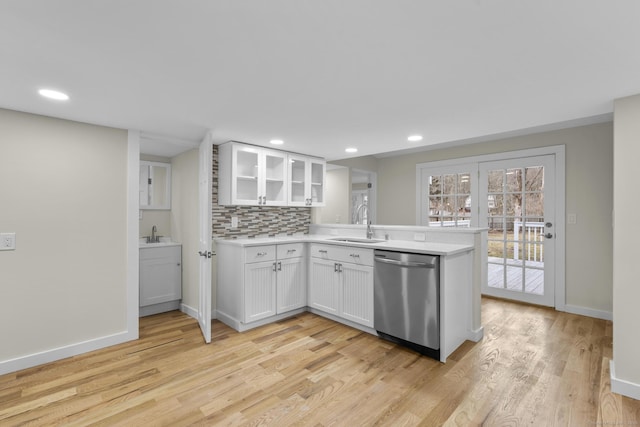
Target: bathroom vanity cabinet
x: 160, y: 278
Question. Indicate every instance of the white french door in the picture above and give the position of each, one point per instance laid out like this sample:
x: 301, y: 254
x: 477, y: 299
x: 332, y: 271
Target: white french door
x: 204, y: 287
x: 517, y: 206
x: 517, y: 196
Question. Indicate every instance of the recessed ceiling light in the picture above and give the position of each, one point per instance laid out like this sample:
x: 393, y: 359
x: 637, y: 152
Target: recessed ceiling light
x: 53, y: 94
x: 277, y: 141
x: 415, y: 138
x: 351, y: 150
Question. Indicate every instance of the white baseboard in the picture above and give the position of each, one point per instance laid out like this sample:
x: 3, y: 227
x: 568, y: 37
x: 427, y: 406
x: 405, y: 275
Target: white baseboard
x: 623, y: 387
x: 192, y: 312
x: 189, y: 311
x: 584, y: 311
x: 59, y: 353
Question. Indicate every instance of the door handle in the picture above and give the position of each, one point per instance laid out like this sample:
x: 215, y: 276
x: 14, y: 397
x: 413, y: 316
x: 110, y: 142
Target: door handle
x: 548, y: 236
x: 206, y: 254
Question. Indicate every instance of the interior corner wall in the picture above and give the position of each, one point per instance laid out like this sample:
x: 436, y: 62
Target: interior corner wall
x: 63, y: 191
x: 337, y: 197
x: 626, y: 268
x: 185, y: 220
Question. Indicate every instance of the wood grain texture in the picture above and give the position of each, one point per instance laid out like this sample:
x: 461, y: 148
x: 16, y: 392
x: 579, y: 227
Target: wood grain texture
x: 534, y: 367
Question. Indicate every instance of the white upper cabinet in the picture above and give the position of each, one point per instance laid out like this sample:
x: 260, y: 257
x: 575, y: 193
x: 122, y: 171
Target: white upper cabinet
x: 252, y: 175
x: 306, y: 180
x: 155, y: 185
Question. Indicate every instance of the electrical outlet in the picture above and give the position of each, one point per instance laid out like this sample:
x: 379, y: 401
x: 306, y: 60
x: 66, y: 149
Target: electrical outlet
x: 234, y: 222
x: 419, y: 237
x: 572, y: 218
x: 7, y: 241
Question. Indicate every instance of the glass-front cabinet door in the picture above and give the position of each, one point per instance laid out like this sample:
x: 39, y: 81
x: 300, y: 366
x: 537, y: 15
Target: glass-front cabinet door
x: 259, y: 176
x: 317, y: 182
x: 306, y: 181
x: 245, y: 184
x: 298, y: 181
x: 274, y: 178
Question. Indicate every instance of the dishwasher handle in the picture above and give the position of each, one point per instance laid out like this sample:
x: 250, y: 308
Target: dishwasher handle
x: 405, y: 263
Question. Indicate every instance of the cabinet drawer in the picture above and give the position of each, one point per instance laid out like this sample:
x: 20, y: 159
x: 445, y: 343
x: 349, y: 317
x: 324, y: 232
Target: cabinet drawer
x: 260, y: 253
x: 290, y: 250
x: 361, y: 256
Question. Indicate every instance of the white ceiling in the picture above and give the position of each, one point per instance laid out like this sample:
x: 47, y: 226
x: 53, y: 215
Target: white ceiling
x: 321, y: 75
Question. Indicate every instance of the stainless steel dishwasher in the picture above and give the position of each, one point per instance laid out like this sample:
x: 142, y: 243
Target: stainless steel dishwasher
x: 407, y: 300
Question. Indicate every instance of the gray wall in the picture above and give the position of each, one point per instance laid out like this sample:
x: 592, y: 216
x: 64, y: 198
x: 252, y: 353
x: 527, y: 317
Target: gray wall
x: 589, y: 187
x: 63, y: 191
x: 626, y: 292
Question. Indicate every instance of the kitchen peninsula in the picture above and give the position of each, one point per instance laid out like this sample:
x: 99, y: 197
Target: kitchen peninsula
x: 330, y: 272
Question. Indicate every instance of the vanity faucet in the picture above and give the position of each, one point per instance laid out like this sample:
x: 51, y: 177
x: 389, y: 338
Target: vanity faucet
x: 154, y: 230
x: 369, y: 231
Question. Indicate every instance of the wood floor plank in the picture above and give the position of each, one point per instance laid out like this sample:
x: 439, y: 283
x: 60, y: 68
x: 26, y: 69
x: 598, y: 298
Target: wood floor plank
x: 535, y: 366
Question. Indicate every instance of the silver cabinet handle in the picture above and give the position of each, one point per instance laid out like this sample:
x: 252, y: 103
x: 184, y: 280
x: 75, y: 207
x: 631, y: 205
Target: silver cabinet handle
x: 290, y: 251
x: 354, y: 255
x: 322, y: 251
x: 261, y: 254
x: 279, y: 266
x: 275, y: 266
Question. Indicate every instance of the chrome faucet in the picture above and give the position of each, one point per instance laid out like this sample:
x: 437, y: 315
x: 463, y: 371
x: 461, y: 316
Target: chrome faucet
x: 154, y: 238
x: 369, y: 231
x: 360, y: 211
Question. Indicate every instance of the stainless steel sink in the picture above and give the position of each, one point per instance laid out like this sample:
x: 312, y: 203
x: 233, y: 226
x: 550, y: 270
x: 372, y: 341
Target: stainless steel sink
x: 355, y: 240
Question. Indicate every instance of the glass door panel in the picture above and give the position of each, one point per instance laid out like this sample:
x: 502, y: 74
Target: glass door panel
x: 518, y: 218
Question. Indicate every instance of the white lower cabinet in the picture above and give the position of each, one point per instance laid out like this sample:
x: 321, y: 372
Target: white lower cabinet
x: 160, y: 279
x: 341, y: 282
x: 260, y: 282
x: 259, y: 291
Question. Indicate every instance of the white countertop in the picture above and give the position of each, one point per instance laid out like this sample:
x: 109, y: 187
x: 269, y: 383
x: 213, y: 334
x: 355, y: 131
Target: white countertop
x: 158, y: 245
x: 432, y: 248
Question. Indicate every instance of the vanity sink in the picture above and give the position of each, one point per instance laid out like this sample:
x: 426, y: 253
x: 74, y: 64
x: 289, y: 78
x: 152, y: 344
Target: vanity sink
x: 355, y: 240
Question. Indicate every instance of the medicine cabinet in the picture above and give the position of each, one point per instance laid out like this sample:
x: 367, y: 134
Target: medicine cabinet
x: 155, y: 185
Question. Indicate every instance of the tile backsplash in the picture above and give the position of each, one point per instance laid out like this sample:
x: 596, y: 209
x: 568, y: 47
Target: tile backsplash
x: 255, y: 220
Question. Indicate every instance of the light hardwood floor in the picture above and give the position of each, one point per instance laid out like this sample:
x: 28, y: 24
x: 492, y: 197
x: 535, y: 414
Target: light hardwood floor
x: 534, y: 367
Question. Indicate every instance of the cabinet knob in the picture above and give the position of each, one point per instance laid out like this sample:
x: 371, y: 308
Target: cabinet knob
x: 322, y: 251
x: 261, y: 254
x: 178, y: 264
x: 355, y: 255
x: 289, y: 251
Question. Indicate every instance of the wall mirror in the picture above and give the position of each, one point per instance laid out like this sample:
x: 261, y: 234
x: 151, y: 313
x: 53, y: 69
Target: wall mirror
x: 155, y: 185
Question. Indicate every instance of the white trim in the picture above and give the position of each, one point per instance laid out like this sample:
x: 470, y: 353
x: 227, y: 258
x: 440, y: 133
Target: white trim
x: 623, y: 387
x: 585, y: 311
x: 241, y: 327
x: 35, y: 359
x: 189, y: 311
x: 133, y: 227
x: 559, y: 152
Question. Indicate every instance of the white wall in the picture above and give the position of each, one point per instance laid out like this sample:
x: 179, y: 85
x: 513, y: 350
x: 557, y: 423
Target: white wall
x: 589, y: 184
x: 185, y: 221
x: 337, y: 198
x: 626, y: 268
x: 63, y: 191
x: 160, y: 218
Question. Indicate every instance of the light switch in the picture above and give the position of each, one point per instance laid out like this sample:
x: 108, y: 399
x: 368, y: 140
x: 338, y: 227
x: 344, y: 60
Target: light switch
x: 7, y: 241
x: 572, y: 218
